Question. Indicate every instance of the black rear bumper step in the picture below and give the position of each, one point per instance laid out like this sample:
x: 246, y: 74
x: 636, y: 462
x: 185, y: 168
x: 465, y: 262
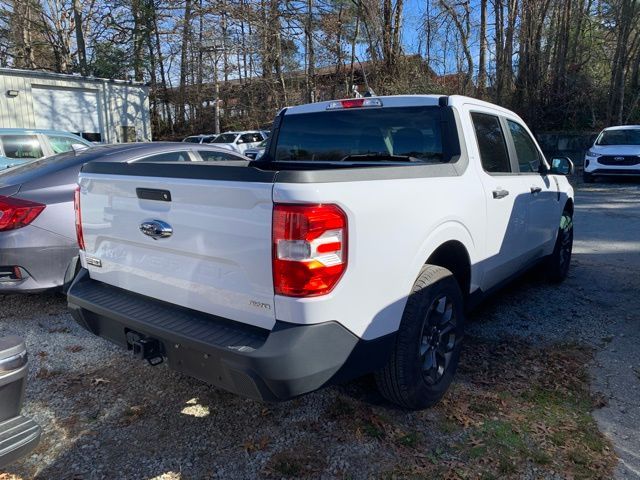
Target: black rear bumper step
x: 275, y: 365
x: 189, y: 326
x: 18, y: 436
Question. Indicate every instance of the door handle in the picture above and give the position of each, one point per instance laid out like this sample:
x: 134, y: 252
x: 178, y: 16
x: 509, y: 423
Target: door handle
x: 500, y: 193
x: 536, y: 189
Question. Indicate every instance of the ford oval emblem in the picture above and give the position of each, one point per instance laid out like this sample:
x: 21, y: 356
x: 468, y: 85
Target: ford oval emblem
x: 156, y: 229
x: 618, y: 159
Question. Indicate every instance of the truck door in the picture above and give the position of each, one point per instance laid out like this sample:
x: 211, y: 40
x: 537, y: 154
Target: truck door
x: 543, y: 198
x: 505, y: 245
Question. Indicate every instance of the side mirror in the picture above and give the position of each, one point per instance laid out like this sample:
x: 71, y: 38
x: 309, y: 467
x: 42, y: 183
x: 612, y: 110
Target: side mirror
x: 240, y: 141
x: 561, y: 166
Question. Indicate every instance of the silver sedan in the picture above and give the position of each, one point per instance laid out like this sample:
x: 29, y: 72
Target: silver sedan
x: 37, y: 225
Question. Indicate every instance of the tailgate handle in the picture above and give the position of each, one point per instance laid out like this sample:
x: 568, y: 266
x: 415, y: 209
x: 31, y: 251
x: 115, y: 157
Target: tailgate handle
x: 153, y: 194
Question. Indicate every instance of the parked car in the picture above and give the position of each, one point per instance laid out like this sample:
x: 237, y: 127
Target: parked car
x: 355, y: 249
x: 616, y: 152
x: 256, y: 152
x: 19, y: 145
x: 202, y: 138
x: 240, y: 141
x: 37, y: 231
x: 18, y: 434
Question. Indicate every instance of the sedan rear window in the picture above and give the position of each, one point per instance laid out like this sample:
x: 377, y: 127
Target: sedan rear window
x: 215, y: 156
x: 226, y: 138
x: 180, y: 156
x: 376, y: 134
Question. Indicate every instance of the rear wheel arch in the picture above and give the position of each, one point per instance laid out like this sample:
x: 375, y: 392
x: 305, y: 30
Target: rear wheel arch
x: 453, y: 256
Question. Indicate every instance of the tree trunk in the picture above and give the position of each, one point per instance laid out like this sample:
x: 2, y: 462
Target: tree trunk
x: 482, y: 66
x: 163, y: 76
x: 354, y: 40
x: 499, y: 47
x: 82, y: 50
x: 311, y: 57
x: 138, y: 39
x: 625, y: 18
x: 184, y: 64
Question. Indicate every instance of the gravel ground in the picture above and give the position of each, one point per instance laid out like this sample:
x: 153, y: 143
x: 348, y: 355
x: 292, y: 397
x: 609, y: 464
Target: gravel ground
x: 108, y: 416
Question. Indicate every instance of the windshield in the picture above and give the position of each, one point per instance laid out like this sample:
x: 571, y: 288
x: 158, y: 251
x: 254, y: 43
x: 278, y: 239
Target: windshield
x: 630, y: 136
x: 192, y: 140
x: 376, y: 134
x: 226, y: 138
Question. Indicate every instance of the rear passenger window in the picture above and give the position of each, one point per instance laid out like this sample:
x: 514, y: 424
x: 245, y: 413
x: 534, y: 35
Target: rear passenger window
x: 167, y: 157
x: 21, y: 146
x: 251, y: 137
x: 213, y: 156
x: 62, y: 143
x: 491, y: 143
x: 528, y: 156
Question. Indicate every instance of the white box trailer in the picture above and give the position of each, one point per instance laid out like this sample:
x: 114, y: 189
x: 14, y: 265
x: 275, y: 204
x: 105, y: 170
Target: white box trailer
x: 110, y: 111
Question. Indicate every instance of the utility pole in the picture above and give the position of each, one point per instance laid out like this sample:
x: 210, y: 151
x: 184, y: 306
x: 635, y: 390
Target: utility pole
x: 216, y: 105
x: 216, y: 49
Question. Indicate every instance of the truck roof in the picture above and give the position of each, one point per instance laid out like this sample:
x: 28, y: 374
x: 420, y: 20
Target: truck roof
x: 405, y: 101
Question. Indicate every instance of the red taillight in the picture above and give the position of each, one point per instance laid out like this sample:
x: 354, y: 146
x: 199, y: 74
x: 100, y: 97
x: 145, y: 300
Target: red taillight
x: 309, y: 249
x: 17, y: 213
x: 76, y: 208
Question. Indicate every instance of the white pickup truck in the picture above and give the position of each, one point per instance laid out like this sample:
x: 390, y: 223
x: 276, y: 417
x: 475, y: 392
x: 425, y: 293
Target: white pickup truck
x: 354, y: 245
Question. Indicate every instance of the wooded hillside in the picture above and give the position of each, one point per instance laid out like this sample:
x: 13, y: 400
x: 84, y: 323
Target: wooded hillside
x: 563, y: 65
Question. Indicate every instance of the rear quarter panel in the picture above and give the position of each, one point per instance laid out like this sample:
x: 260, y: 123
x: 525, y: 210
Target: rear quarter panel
x: 393, y: 227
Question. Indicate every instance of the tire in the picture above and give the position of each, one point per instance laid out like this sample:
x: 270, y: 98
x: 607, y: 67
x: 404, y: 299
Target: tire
x: 557, y: 265
x: 428, y: 343
x: 587, y: 177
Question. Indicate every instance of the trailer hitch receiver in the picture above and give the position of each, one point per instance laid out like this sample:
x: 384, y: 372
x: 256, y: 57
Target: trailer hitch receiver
x: 146, y: 348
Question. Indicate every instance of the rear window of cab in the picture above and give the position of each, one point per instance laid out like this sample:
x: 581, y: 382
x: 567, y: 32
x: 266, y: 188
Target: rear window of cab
x: 410, y: 134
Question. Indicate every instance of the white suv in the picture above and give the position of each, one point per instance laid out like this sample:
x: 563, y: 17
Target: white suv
x: 239, y: 141
x: 616, y: 152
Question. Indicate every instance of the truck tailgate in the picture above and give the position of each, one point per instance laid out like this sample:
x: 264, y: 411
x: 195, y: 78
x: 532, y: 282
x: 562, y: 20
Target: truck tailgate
x: 217, y: 259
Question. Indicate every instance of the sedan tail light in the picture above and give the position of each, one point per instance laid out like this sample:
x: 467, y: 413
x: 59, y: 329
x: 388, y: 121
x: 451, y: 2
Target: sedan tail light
x: 76, y: 208
x: 17, y: 213
x: 309, y: 249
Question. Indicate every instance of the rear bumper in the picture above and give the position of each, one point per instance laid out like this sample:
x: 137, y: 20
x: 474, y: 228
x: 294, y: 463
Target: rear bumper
x: 275, y: 365
x: 42, y: 256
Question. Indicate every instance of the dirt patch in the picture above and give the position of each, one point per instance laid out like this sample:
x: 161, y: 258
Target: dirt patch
x: 515, y: 411
x: 524, y: 408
